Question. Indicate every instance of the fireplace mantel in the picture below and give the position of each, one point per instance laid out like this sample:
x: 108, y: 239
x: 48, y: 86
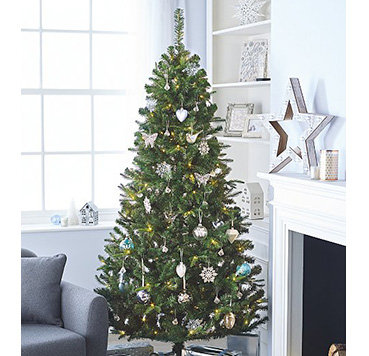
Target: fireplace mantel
x: 303, y: 206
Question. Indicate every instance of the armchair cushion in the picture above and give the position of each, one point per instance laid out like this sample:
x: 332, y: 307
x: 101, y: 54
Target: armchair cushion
x: 47, y: 340
x: 41, y: 293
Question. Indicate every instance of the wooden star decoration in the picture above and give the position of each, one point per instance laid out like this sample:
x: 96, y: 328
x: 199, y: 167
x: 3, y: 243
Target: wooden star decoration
x: 294, y: 109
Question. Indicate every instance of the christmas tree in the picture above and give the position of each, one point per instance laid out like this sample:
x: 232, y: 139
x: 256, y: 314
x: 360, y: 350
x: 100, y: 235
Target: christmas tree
x: 174, y: 270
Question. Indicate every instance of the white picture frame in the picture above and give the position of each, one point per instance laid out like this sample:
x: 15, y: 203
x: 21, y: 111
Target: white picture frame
x: 236, y: 117
x: 254, y: 127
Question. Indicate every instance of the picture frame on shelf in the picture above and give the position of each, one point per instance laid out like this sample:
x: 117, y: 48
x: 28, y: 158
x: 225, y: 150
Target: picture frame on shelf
x: 254, y: 127
x: 236, y: 117
x: 254, y: 61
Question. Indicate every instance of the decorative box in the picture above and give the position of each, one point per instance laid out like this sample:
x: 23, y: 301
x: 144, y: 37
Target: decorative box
x: 131, y: 348
x: 202, y: 350
x: 249, y: 344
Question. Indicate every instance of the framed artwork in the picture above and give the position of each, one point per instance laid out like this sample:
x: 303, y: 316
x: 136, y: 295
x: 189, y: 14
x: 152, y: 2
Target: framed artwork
x: 236, y: 118
x: 254, y: 58
x: 254, y: 127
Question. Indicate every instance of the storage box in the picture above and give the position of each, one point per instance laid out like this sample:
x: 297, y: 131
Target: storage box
x: 205, y: 350
x: 131, y: 349
x: 248, y: 344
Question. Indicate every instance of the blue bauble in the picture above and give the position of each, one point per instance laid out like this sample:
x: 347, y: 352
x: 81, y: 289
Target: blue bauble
x: 55, y: 219
x: 126, y: 244
x: 243, y: 270
x: 122, y: 287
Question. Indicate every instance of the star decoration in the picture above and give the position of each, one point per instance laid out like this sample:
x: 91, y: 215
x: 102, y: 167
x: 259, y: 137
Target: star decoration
x: 248, y: 11
x: 294, y: 110
x: 208, y: 274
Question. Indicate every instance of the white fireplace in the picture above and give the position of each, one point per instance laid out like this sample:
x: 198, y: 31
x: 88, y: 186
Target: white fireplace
x: 299, y: 206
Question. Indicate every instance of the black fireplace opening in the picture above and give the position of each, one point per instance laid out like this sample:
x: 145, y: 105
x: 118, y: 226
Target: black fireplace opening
x: 324, y: 296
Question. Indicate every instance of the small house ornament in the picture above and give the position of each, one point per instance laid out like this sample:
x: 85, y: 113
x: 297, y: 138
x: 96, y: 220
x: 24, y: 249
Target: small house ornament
x: 89, y: 214
x: 253, y: 201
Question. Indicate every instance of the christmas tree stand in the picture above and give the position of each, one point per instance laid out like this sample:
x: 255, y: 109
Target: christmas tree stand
x: 248, y: 343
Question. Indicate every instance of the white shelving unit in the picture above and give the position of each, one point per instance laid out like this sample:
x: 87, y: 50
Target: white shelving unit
x: 225, y: 39
x: 250, y: 155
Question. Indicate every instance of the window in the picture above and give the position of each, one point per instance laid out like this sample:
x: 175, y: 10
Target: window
x: 79, y: 101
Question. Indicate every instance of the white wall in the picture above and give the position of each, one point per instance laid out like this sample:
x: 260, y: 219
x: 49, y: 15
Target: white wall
x: 308, y: 42
x: 81, y: 249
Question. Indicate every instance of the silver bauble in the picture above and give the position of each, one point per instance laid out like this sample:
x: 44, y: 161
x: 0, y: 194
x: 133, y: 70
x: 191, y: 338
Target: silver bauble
x: 143, y: 296
x: 200, y: 232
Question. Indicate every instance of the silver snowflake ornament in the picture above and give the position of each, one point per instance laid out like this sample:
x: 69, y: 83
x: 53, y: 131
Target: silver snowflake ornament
x: 203, y: 148
x: 164, y: 170
x: 248, y: 11
x: 208, y: 274
x: 194, y: 324
x: 151, y: 104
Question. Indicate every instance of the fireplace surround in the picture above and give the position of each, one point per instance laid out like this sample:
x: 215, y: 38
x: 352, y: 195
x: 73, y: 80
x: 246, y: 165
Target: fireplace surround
x: 299, y: 206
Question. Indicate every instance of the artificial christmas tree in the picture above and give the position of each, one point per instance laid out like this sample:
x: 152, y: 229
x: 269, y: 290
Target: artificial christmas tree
x: 174, y: 270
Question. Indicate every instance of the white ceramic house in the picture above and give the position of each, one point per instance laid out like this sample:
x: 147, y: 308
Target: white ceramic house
x: 253, y: 201
x: 89, y: 214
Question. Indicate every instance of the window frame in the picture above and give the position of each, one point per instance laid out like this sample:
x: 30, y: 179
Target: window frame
x: 43, y: 216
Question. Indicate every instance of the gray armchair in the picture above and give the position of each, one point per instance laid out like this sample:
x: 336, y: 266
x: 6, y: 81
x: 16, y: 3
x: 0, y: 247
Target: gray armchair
x: 85, y: 325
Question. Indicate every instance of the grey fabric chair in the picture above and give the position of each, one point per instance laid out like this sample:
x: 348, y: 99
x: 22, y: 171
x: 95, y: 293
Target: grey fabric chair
x: 85, y: 332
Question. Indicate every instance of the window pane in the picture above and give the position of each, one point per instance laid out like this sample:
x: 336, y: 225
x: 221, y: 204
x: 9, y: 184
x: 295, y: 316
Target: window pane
x: 30, y: 60
x: 30, y: 14
x: 110, y: 61
x: 66, y: 14
x: 67, y: 177
x: 31, y: 123
x: 114, y: 125
x: 65, y: 60
x: 113, y: 15
x: 67, y: 122
x: 107, y: 178
x: 31, y: 183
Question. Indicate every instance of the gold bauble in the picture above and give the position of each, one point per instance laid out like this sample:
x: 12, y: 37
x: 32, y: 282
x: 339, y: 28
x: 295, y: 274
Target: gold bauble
x: 232, y: 234
x: 229, y: 320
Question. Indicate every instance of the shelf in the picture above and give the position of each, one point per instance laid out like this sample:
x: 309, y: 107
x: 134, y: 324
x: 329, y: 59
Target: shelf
x: 252, y: 29
x: 243, y: 139
x: 242, y: 84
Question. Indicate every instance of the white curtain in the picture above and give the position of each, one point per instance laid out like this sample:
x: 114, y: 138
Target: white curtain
x: 155, y: 33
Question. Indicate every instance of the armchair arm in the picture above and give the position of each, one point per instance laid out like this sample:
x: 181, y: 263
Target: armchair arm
x: 85, y: 313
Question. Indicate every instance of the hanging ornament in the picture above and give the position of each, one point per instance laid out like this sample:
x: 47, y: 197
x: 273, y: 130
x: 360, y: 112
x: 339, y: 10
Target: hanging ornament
x: 215, y: 172
x: 149, y: 139
x: 239, y: 294
x: 216, y: 299
x: 203, y: 148
x: 143, y: 296
x: 200, y: 232
x: 158, y: 317
x: 168, y: 190
x: 243, y: 270
x: 164, y: 248
x: 193, y: 324
x: 191, y: 68
x: 196, y: 108
x: 167, y: 133
x: 183, y: 298
x: 181, y: 267
x: 150, y: 104
x: 126, y: 244
x: 169, y: 217
x: 175, y: 321
x: 166, y: 86
x: 229, y: 320
x: 232, y: 234
x: 147, y: 205
x: 221, y: 252
x: 191, y: 138
x: 245, y: 287
x: 181, y: 114
x: 202, y: 179
x: 217, y: 224
x: 208, y: 274
x: 164, y: 170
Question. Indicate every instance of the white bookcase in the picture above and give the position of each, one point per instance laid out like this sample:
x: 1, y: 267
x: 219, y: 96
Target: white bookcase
x: 225, y: 39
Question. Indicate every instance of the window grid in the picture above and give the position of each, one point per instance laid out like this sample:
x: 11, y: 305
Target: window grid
x: 91, y: 92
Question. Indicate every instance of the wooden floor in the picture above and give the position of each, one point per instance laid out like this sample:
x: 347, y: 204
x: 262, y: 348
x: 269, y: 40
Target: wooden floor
x: 164, y: 346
